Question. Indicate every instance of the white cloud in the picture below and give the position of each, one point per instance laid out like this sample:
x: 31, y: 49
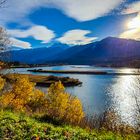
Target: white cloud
x: 134, y: 29
x: 84, y: 10
x: 41, y: 33
x: 76, y: 37
x: 21, y: 44
x: 131, y: 34
x: 132, y: 8
x: 17, y: 10
x: 81, y: 10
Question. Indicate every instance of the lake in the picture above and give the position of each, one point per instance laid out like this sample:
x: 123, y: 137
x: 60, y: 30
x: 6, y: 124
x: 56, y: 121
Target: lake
x: 99, y: 92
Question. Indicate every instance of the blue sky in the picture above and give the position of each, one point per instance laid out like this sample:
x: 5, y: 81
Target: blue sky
x: 41, y: 23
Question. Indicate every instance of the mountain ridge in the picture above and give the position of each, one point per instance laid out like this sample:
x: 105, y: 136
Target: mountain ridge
x: 108, y: 50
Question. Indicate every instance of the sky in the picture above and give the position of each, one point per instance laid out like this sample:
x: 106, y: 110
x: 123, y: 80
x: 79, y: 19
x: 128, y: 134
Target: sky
x: 42, y: 23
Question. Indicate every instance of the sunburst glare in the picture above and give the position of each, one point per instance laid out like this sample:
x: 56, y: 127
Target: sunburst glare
x: 134, y: 23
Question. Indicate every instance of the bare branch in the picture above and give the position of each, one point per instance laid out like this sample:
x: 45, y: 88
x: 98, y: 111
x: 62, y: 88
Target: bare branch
x: 4, y: 46
x: 4, y: 40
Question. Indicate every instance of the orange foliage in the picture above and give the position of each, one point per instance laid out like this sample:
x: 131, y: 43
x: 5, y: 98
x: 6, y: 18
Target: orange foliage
x: 2, y: 83
x: 37, y: 102
x: 57, y: 104
x: 74, y: 111
x: 21, y: 94
x: 62, y: 105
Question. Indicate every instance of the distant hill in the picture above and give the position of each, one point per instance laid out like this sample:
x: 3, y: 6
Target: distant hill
x: 33, y: 56
x: 107, y: 51
x: 111, y: 50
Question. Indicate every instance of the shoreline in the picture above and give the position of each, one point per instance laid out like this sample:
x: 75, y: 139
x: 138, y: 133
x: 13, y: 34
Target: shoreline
x: 80, y: 72
x: 69, y: 72
x: 45, y: 81
x: 74, y: 65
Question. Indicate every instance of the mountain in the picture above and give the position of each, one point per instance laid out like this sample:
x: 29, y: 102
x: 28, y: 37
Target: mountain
x: 34, y: 56
x: 110, y: 50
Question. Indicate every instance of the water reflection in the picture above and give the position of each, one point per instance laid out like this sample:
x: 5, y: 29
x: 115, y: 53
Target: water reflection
x: 122, y: 99
x: 117, y: 92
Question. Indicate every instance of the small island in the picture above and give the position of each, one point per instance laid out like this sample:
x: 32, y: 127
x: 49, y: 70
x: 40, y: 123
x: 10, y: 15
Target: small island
x: 68, y: 71
x: 83, y: 72
x: 45, y: 81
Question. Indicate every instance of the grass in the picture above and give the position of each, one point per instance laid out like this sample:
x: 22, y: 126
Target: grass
x: 41, y: 80
x: 15, y: 126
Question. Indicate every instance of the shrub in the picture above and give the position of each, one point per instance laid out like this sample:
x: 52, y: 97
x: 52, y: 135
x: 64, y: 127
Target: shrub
x: 57, y: 101
x: 23, y: 96
x: 2, y: 83
x: 37, y: 103
x: 57, y: 104
x: 111, y: 121
x: 63, y: 106
x: 74, y: 112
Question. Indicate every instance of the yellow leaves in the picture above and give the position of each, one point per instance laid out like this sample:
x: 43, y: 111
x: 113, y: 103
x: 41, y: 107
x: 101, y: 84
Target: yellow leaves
x: 21, y: 94
x: 37, y: 101
x: 61, y: 105
x: 57, y: 103
x: 23, y: 86
x: 6, y: 99
x: 74, y: 111
x: 56, y: 88
x: 2, y: 82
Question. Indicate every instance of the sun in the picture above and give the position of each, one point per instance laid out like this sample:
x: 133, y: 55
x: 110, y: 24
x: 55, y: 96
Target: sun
x: 134, y: 23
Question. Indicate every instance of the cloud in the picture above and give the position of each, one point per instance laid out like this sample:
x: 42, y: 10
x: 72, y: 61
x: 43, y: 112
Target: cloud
x: 17, y: 10
x: 134, y: 25
x: 76, y: 37
x: 21, y: 44
x: 41, y: 33
x: 81, y: 10
x: 131, y: 34
x: 134, y: 31
x: 84, y: 10
x: 132, y: 8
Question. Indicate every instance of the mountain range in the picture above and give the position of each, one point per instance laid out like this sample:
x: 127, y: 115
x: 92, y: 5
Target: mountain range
x: 110, y: 50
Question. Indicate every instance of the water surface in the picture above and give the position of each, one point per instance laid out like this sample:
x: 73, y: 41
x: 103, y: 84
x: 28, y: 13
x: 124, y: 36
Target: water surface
x: 99, y: 92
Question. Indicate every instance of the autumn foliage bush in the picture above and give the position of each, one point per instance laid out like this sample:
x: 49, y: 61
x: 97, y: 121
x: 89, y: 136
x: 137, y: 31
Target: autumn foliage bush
x: 57, y: 104
x: 62, y: 105
x: 2, y: 83
x: 21, y: 94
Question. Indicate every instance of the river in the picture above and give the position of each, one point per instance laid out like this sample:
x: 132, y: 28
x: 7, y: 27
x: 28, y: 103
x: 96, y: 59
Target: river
x: 99, y: 92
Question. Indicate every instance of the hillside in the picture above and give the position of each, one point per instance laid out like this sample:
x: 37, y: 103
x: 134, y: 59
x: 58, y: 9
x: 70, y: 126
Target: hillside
x: 34, y: 56
x: 19, y: 126
x: 111, y: 50
x: 108, y: 50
